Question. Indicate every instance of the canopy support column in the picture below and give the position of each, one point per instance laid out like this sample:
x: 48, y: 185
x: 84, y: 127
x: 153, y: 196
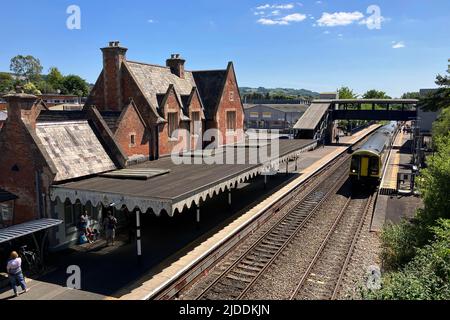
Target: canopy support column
x: 138, y: 234
x: 229, y: 198
x: 198, y: 214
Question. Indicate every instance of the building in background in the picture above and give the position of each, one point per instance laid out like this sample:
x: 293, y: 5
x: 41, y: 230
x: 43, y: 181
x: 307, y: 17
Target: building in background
x: 425, y: 119
x: 329, y: 96
x: 273, y: 116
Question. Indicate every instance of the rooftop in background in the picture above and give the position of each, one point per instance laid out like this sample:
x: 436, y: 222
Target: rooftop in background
x: 281, y: 107
x: 367, y: 101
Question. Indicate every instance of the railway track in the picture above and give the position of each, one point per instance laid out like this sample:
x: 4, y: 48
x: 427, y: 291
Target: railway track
x: 239, y: 277
x: 311, y: 194
x: 324, y: 274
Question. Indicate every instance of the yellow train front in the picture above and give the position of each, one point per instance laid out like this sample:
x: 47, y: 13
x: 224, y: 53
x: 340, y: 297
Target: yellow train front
x: 368, y: 162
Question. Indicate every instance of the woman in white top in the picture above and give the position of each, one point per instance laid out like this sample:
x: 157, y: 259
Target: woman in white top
x: 14, y: 269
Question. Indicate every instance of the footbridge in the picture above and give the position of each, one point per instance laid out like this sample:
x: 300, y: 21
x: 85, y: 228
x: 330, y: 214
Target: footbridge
x: 317, y: 122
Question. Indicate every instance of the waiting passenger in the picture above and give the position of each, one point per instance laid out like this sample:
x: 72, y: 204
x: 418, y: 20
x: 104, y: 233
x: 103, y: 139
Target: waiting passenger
x: 15, y: 275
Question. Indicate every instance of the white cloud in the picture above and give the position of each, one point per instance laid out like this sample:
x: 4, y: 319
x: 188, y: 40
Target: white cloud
x: 398, y: 45
x: 339, y: 18
x: 276, y: 12
x: 286, y: 20
x: 295, y: 17
x: 276, y: 6
x: 326, y: 32
x: 271, y: 22
x: 259, y: 13
x: 151, y: 21
x: 318, y: 2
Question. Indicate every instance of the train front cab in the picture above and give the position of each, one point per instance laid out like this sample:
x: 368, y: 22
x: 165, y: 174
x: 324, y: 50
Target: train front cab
x: 365, y: 168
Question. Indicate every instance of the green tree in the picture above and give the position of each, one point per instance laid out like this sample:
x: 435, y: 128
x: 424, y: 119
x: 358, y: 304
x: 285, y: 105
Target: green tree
x: 55, y: 79
x: 28, y: 67
x: 440, y: 99
x: 441, y: 126
x: 45, y: 87
x: 75, y: 85
x: 434, y: 182
x: 375, y: 94
x: 411, y: 95
x: 6, y: 83
x: 31, y: 88
x: 347, y: 93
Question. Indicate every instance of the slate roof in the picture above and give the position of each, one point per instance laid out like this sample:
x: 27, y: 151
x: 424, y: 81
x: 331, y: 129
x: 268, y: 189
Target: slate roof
x: 281, y: 107
x: 111, y: 118
x: 311, y: 118
x: 57, y: 115
x: 210, y: 86
x: 155, y: 80
x: 73, y: 147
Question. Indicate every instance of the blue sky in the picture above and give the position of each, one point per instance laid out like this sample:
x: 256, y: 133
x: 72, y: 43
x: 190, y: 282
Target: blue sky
x: 317, y: 45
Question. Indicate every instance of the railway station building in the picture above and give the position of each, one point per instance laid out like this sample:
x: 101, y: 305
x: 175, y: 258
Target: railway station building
x: 114, y: 155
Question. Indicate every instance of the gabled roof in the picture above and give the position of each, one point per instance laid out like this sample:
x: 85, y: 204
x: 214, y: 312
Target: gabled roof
x: 210, y: 85
x: 155, y: 80
x: 71, y: 144
x: 162, y: 102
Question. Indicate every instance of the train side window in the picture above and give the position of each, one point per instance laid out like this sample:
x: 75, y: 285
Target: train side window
x: 374, y: 166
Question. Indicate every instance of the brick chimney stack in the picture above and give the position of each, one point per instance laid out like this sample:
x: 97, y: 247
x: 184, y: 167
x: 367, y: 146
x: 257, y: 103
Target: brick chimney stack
x: 113, y: 57
x: 21, y: 107
x: 176, y: 64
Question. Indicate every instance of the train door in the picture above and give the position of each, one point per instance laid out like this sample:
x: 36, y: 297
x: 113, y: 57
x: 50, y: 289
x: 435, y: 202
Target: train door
x: 364, y: 166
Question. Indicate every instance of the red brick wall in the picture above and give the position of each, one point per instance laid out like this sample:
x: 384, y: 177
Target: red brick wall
x: 195, y: 107
x: 131, y: 124
x: 227, y: 105
x: 18, y: 149
x: 166, y: 144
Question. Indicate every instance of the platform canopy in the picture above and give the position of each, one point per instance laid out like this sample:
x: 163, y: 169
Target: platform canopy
x: 26, y: 228
x: 181, y: 186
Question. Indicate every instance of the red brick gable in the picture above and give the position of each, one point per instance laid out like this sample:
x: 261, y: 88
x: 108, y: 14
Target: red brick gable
x: 131, y: 123
x: 171, y: 104
x: 230, y: 101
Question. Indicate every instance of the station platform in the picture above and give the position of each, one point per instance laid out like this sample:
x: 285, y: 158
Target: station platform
x: 396, y: 201
x: 172, y: 245
x: 311, y: 162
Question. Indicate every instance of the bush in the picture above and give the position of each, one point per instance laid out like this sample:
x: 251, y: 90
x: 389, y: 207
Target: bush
x: 425, y: 277
x: 398, y: 244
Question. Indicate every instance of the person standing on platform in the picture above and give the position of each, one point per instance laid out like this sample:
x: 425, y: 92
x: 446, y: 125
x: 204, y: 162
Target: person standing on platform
x: 15, y: 275
x: 110, y: 225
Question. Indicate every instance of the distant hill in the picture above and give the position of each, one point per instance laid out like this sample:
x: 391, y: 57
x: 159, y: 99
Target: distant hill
x: 273, y: 92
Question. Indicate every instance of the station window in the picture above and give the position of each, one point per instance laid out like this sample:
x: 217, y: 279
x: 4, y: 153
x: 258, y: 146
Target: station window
x: 173, y: 123
x: 231, y: 121
x: 231, y: 95
x: 132, y: 140
x: 196, y: 124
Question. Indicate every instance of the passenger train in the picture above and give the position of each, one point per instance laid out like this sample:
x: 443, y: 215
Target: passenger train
x: 367, y: 162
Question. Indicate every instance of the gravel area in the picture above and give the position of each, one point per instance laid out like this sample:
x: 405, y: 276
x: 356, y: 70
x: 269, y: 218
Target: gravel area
x: 281, y: 279
x: 365, y: 258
